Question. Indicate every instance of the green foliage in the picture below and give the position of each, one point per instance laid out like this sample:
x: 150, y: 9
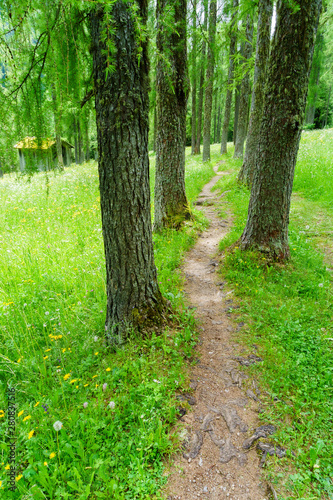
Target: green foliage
x: 288, y: 314
x: 52, y: 313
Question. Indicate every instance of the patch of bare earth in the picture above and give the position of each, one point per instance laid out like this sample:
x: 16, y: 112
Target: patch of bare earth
x: 219, y: 459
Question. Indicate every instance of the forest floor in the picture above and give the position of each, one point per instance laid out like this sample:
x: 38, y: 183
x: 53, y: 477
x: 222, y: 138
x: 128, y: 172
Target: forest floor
x: 218, y: 460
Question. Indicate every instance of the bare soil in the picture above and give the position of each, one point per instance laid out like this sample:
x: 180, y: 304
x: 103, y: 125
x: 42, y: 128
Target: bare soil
x: 218, y: 461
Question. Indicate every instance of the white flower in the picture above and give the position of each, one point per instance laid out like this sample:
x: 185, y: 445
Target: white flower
x: 24, y: 305
x: 157, y: 381
x: 57, y: 425
x: 105, y: 386
x: 44, y: 325
x: 85, y: 405
x: 46, y: 313
x: 307, y: 227
x: 111, y: 405
x: 95, y: 338
x: 321, y: 285
x: 59, y: 370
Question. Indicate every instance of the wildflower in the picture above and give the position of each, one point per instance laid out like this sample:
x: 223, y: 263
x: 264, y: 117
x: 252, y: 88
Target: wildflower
x: 47, y: 313
x: 45, y: 408
x: 85, y: 385
x: 45, y: 357
x: 85, y: 405
x: 7, y: 467
x: 0, y: 484
x: 45, y: 463
x: 47, y: 350
x: 19, y: 360
x: 111, y: 405
x: 96, y: 338
x: 74, y: 380
x: 96, y: 353
x: 20, y: 413
x: 94, y: 376
x: 59, y: 370
x: 44, y: 325
x: 26, y: 418
x: 321, y: 285
x: 105, y: 386
x: 31, y: 433
x: 307, y: 227
x: 57, y: 425
x: 67, y: 376
x: 157, y: 381
x: 108, y: 369
x: 18, y: 477
x: 64, y: 349
x: 52, y: 455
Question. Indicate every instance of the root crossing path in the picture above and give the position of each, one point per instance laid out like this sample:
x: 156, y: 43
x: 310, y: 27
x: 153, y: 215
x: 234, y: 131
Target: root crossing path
x: 219, y: 459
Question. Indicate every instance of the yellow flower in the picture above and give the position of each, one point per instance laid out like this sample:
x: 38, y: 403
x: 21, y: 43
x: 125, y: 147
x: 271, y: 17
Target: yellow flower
x: 108, y: 369
x: 52, y: 455
x: 19, y: 360
x: 45, y: 357
x: 31, y: 433
x: 7, y: 467
x: 26, y: 418
x: 96, y: 386
x: 0, y: 484
x: 64, y: 349
x: 94, y: 376
x: 18, y: 477
x: 85, y: 385
x: 47, y: 350
x: 76, y: 387
x: 45, y: 463
x: 36, y: 404
x: 74, y: 380
x: 67, y: 376
x: 96, y: 353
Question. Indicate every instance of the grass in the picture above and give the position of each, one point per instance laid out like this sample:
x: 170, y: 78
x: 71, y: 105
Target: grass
x: 288, y: 312
x: 116, y: 409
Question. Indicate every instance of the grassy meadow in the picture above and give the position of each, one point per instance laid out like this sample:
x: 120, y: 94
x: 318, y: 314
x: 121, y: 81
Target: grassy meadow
x: 288, y: 311
x: 116, y: 409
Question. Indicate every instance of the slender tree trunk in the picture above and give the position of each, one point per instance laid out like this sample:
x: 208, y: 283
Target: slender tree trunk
x: 284, y: 106
x: 76, y: 145
x: 122, y: 107
x: 265, y: 11
x: 245, y: 93
x: 80, y: 142
x: 215, y: 117
x: 237, y: 98
x: 314, y: 78
x: 172, y: 86
x: 202, y: 81
x: 194, y: 76
x: 57, y: 131
x: 227, y: 109
x: 209, y: 81
x: 87, y: 136
x: 328, y: 105
x: 155, y: 127
x: 218, y: 128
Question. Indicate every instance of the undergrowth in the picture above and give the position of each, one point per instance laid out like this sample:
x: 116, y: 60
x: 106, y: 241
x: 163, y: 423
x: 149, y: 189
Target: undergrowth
x: 115, y: 409
x: 288, y: 311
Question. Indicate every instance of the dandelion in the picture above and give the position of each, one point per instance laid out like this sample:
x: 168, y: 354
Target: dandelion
x: 85, y: 385
x: 67, y: 376
x: 108, y: 369
x: 105, y: 386
x: 20, y: 413
x: 26, y: 418
x: 74, y: 380
x: 96, y: 353
x: 111, y: 405
x: 19, y: 360
x: 47, y: 350
x: 18, y: 477
x: 94, y: 376
x: 45, y: 357
x: 57, y: 425
x: 7, y: 467
x: 52, y: 455
x: 45, y: 463
x: 47, y: 313
x: 85, y: 405
x: 31, y: 433
x: 59, y: 370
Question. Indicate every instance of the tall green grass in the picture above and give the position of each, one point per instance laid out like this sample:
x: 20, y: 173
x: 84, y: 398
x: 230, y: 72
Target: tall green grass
x: 288, y: 313
x: 116, y: 409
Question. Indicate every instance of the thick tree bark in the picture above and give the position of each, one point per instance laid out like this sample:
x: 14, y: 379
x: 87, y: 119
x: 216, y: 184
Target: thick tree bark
x: 265, y: 11
x: 209, y: 81
x: 172, y: 86
x: 202, y: 81
x: 227, y: 108
x: 244, y: 93
x: 122, y: 106
x: 285, y: 97
x: 194, y: 77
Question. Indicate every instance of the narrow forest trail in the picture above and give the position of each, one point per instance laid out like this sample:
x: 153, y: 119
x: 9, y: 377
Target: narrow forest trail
x: 225, y: 402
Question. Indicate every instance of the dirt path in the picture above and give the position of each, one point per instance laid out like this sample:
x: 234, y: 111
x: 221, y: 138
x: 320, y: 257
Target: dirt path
x: 215, y: 464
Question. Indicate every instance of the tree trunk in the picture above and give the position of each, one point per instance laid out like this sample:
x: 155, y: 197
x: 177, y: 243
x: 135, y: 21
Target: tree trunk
x: 227, y: 108
x: 265, y: 11
x: 57, y: 131
x: 87, y: 136
x: 284, y: 106
x: 328, y: 105
x: 202, y: 81
x: 244, y: 93
x: 215, y: 117
x: 314, y: 78
x: 209, y: 81
x: 80, y: 142
x: 218, y: 128
x: 122, y: 107
x: 76, y: 147
x: 172, y: 86
x: 237, y: 98
x: 194, y: 76
x: 155, y: 127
